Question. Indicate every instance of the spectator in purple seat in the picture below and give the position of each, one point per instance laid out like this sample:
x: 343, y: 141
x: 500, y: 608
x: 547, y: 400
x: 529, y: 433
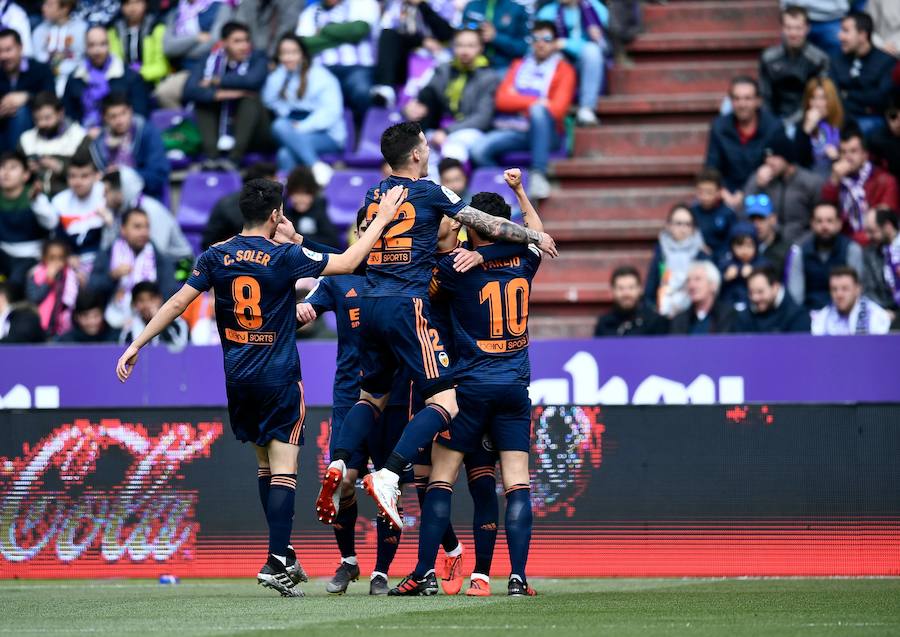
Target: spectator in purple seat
x: 52, y: 143
x: 504, y: 29
x: 407, y: 25
x: 342, y: 34
x: 53, y: 288
x: 793, y: 190
x: 453, y: 175
x: 862, y: 73
x: 738, y: 264
x: 812, y: 259
x: 20, y: 79
x: 772, y: 246
x: 856, y: 185
x: 146, y: 301
x: 630, y: 314
x: 226, y: 219
x: 580, y: 25
x: 771, y: 309
x: 711, y: 216
x: 309, y: 110
x: 98, y: 75
x: 737, y: 140
x: 785, y: 69
x: 307, y: 209
x: 89, y: 326
x: 884, y: 144
x: 850, y: 312
x: 12, y: 16
x: 680, y: 245
x: 26, y: 218
x: 532, y: 102
x: 137, y: 38
x: 456, y: 107
x: 825, y: 21
x: 59, y: 40
x: 192, y: 29
x: 228, y: 106
x: 129, y: 140
x: 706, y: 315
x: 818, y: 137
x: 269, y: 21
x: 886, y: 20
x: 881, y: 258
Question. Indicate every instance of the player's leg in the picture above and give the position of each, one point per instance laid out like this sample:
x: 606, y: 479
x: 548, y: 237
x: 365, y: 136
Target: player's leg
x: 433, y: 523
x: 263, y: 474
x: 344, y: 527
x: 481, y: 470
x: 453, y: 548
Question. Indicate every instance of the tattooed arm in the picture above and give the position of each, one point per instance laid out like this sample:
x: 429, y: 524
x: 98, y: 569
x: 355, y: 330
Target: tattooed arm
x: 491, y: 227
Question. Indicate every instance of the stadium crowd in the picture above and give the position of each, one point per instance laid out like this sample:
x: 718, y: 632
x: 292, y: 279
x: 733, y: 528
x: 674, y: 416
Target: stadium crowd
x: 101, y: 100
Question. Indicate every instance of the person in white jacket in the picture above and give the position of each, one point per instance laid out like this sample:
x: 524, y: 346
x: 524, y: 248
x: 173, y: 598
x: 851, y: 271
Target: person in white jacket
x: 59, y: 40
x: 849, y: 311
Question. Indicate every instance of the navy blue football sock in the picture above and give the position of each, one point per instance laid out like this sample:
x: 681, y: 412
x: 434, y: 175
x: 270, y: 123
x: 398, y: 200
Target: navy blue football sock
x: 435, y: 517
x: 358, y: 423
x: 417, y: 434
x: 483, y: 488
x: 388, y: 542
x: 449, y: 541
x: 280, y: 511
x: 263, y: 475
x: 518, y: 527
x: 345, y: 526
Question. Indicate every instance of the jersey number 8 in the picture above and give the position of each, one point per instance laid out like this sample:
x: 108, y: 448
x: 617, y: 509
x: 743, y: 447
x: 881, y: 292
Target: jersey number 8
x: 246, y: 293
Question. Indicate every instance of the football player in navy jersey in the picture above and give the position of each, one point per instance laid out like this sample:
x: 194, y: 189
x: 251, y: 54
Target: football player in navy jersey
x: 489, y: 308
x: 396, y: 332
x: 253, y: 278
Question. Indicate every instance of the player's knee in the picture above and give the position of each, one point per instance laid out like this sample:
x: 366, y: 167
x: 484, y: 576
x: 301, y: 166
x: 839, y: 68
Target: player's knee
x: 378, y: 401
x: 446, y: 401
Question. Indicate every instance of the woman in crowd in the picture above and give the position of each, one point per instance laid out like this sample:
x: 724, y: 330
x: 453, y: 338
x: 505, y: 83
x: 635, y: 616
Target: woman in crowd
x: 309, y: 110
x: 818, y: 137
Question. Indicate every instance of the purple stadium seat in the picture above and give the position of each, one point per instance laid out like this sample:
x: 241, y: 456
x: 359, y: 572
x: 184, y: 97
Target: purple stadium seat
x: 368, y: 154
x: 199, y: 193
x: 522, y: 158
x: 195, y: 239
x: 166, y: 118
x: 345, y: 194
x: 491, y: 180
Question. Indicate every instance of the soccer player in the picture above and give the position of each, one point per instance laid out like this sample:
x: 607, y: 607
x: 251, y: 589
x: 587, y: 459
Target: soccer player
x: 490, y: 319
x: 396, y: 333
x: 253, y: 278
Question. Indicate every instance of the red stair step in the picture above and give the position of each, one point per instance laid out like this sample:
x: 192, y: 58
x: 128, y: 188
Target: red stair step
x: 680, y: 77
x: 714, y: 17
x: 642, y: 141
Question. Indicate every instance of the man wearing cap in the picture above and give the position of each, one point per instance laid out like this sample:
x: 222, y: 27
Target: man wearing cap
x: 771, y: 244
x: 793, y: 191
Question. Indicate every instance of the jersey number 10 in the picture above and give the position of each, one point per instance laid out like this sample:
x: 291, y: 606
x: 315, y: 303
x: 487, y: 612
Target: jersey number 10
x: 515, y: 300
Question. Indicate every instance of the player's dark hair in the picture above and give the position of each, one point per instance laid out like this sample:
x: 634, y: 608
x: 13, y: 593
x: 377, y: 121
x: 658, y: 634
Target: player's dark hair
x: 449, y: 163
x: 301, y: 179
x: 113, y: 179
x: 258, y: 198
x: 863, y: 22
x: 145, y: 287
x: 744, y: 79
x: 82, y: 159
x: 89, y: 299
x: 260, y: 170
x: 14, y: 155
x: 11, y: 33
x: 233, y: 27
x: 769, y: 272
x: 112, y: 100
x: 886, y: 216
x: 398, y: 141
x: 795, y: 12
x: 55, y: 242
x: 493, y: 204
x: 361, y: 216
x: 131, y: 212
x: 709, y: 175
x: 844, y: 270
x: 625, y: 271
x: 851, y: 131
x: 545, y: 25
x: 44, y: 99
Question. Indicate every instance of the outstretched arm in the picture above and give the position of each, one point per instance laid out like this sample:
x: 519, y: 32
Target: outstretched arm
x: 513, y: 177
x: 171, y: 310
x: 491, y: 227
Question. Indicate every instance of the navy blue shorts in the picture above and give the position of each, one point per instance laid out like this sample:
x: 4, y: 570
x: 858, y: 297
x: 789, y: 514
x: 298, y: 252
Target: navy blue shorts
x: 261, y: 413
x: 503, y: 412
x: 396, y: 333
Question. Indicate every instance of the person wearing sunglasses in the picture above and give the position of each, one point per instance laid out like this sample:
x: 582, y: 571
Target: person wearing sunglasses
x: 531, y: 102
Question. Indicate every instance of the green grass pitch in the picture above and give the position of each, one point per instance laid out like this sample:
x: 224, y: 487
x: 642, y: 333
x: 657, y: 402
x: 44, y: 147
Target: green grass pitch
x: 616, y: 607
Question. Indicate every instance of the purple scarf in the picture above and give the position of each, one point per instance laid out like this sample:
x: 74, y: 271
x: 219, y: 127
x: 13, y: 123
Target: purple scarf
x: 892, y: 268
x: 853, y: 196
x: 587, y: 15
x: 97, y: 87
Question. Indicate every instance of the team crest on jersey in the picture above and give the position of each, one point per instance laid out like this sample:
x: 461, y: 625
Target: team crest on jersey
x: 452, y: 196
x: 315, y: 256
x: 445, y: 360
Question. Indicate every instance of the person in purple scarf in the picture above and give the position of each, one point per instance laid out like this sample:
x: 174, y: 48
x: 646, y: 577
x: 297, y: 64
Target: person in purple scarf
x: 99, y: 74
x: 580, y: 25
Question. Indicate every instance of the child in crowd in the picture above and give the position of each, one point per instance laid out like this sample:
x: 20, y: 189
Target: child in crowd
x: 146, y: 301
x: 59, y: 40
x: 713, y: 218
x: 738, y: 264
x: 53, y: 288
x: 89, y: 325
